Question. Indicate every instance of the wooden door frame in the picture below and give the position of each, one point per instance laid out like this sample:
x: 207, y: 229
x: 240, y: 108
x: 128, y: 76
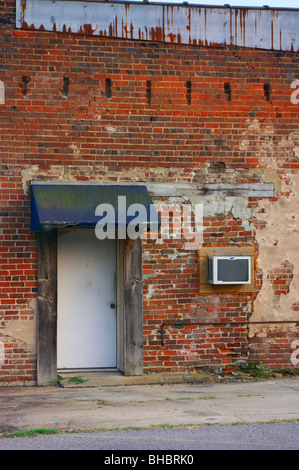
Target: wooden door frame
x: 129, y: 307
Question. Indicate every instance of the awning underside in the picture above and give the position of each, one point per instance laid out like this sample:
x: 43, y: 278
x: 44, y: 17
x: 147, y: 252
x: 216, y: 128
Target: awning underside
x: 88, y: 206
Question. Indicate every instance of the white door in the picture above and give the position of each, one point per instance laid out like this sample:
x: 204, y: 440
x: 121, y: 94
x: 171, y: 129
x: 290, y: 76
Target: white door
x: 86, y: 316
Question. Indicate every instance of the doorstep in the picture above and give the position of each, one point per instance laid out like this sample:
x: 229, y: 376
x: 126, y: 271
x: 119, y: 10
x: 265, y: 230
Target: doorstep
x: 81, y: 379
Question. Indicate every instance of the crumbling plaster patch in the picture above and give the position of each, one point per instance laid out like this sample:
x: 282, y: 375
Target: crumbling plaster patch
x: 21, y: 331
x: 271, y: 149
x: 150, y: 292
x: 278, y: 242
x: 28, y: 174
x: 218, y: 205
x: 269, y: 175
x: 99, y: 172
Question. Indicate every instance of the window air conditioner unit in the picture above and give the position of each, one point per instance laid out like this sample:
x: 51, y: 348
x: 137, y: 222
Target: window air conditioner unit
x: 229, y: 270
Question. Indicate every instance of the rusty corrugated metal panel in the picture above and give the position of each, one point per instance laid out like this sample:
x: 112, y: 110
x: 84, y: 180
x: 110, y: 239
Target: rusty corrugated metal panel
x: 263, y: 28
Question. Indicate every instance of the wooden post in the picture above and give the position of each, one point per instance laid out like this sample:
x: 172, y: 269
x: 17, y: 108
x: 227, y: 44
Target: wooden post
x: 47, y: 308
x: 133, y: 332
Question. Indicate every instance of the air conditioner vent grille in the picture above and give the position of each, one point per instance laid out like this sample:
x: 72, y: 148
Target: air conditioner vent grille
x: 229, y: 270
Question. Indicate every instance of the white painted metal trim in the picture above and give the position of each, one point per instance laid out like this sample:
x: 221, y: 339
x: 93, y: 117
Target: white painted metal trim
x: 260, y: 28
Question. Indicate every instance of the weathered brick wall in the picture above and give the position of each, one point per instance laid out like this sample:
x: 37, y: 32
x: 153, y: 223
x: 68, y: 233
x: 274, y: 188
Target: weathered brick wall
x: 91, y: 109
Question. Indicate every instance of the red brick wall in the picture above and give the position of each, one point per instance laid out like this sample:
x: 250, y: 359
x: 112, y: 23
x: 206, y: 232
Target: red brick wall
x: 145, y: 131
x: 275, y: 346
x: 17, y: 276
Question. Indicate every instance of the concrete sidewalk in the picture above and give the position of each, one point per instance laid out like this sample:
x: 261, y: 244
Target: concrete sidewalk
x: 128, y: 403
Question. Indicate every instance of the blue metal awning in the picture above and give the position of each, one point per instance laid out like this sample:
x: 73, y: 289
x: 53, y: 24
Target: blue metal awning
x: 91, y: 205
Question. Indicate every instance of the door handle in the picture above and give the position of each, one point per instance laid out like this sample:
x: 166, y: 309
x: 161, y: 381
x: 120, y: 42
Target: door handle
x: 112, y: 305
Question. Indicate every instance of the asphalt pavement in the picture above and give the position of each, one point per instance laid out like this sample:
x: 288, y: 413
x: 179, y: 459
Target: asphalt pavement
x: 178, y: 445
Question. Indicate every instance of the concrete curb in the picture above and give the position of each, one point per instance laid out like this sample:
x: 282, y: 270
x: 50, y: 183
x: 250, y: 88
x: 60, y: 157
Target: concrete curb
x: 104, y: 379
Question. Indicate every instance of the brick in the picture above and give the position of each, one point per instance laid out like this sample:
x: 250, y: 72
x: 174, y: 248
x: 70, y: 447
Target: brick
x: 166, y: 140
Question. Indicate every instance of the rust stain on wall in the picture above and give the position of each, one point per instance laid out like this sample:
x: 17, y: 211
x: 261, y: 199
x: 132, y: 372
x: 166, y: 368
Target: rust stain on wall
x: 178, y: 23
